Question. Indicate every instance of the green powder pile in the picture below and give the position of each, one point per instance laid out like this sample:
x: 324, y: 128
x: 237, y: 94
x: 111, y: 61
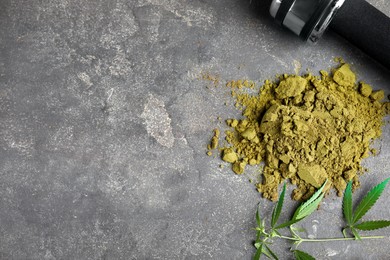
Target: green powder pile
x: 306, y: 129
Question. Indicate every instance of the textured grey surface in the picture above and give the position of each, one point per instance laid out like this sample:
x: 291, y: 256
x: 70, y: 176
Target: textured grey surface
x: 104, y: 125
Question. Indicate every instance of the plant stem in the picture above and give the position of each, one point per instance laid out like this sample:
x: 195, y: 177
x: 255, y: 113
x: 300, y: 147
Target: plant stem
x: 328, y: 239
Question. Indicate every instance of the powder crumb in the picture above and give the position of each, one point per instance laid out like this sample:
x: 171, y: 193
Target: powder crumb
x: 365, y: 89
x: 239, y: 167
x: 229, y: 156
x: 214, y: 140
x: 344, y: 76
x: 378, y: 95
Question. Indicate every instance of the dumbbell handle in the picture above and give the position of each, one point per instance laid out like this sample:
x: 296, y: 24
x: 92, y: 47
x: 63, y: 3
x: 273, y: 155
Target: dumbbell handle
x: 366, y: 27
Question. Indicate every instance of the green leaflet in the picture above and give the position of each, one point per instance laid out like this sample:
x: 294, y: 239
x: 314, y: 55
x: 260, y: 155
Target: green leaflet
x: 258, y: 220
x: 369, y: 200
x: 266, y: 253
x: 309, y: 206
x: 278, y: 209
x: 260, y: 224
x: 258, y: 252
x: 347, y: 203
x: 371, y: 225
x: 288, y: 223
x: 300, y: 255
x: 272, y: 253
x: 306, y: 208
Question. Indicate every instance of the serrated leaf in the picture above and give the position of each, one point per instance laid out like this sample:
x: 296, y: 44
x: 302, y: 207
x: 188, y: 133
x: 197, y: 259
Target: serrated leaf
x: 288, y: 223
x: 258, y: 220
x: 266, y: 253
x: 372, y: 225
x: 310, y: 205
x: 258, y: 252
x: 271, y: 253
x: 309, y: 208
x: 300, y: 255
x: 316, y: 194
x: 347, y: 203
x: 369, y: 200
x: 306, y: 208
x: 278, y: 209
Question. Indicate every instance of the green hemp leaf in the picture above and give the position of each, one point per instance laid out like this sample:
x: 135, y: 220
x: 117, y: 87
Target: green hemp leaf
x: 352, y: 217
x: 266, y: 236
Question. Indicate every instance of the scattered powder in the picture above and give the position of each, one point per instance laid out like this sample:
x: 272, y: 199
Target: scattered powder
x: 214, y: 79
x: 241, y: 84
x: 304, y: 128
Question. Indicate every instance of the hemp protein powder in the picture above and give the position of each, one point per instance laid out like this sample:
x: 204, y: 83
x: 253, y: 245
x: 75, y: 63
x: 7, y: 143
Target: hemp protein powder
x: 304, y: 128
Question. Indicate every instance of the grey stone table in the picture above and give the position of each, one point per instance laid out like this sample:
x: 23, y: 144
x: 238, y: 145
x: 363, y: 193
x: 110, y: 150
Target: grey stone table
x: 104, y: 125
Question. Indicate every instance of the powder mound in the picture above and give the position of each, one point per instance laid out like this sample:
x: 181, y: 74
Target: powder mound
x: 306, y: 129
